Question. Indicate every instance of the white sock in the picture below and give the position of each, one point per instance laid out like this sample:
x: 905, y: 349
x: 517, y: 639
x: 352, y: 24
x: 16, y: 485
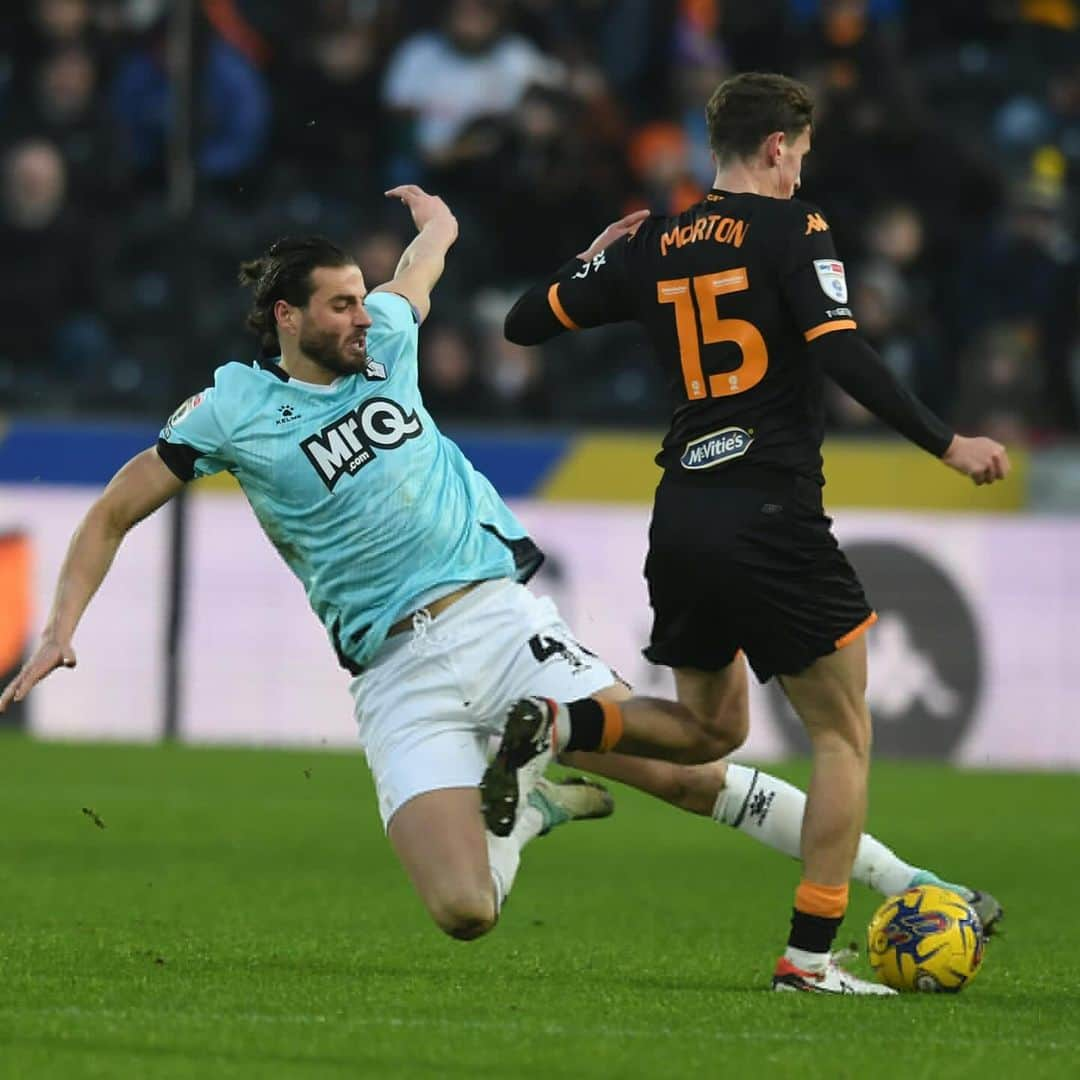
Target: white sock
x: 762, y: 806
x: 881, y: 868
x: 504, y: 852
x: 771, y: 810
x: 807, y: 961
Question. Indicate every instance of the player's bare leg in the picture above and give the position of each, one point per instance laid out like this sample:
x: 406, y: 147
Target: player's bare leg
x: 440, y: 840
x: 463, y: 873
x: 830, y: 699
x: 720, y: 700
x: 537, y: 729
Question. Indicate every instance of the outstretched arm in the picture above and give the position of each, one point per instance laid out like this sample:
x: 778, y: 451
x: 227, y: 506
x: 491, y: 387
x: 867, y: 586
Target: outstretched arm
x: 421, y: 264
x: 541, y: 312
x: 858, y: 369
x: 137, y: 490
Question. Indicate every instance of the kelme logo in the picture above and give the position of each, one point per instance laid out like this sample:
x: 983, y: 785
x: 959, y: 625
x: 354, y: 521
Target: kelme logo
x: 715, y: 448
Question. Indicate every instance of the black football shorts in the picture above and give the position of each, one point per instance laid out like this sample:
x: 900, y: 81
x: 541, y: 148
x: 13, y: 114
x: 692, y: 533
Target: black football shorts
x: 748, y: 564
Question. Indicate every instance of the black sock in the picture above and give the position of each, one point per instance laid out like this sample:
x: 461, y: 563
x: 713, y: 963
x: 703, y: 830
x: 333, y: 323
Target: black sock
x: 586, y: 724
x: 812, y: 933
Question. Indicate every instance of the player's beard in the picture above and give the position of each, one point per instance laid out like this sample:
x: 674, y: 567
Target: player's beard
x: 324, y: 348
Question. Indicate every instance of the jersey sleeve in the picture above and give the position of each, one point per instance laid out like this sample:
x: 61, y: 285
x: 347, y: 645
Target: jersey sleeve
x: 193, y: 442
x: 812, y: 277
x: 595, y: 292
x: 395, y: 324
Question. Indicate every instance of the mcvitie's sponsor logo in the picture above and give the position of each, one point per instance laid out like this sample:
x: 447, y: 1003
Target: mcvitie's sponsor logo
x: 716, y: 447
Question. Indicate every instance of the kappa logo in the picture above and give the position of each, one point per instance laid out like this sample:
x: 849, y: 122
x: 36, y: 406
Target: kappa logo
x: 349, y: 443
x: 925, y: 656
x: 906, y: 677
x: 815, y: 223
x: 715, y: 448
x: 759, y: 807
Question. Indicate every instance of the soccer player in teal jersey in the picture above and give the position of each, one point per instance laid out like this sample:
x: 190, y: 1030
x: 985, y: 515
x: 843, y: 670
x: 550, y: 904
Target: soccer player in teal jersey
x: 414, y: 566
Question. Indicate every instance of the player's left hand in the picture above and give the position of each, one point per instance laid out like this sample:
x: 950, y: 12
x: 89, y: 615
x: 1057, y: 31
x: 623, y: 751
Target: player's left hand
x: 980, y: 458
x: 424, y: 208
x: 625, y: 226
x: 49, y: 655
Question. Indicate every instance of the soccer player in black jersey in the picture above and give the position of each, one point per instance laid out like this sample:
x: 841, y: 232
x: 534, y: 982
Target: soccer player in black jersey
x: 746, y: 303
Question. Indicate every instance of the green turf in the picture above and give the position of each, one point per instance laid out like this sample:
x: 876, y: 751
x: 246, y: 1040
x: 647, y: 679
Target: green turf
x: 240, y: 915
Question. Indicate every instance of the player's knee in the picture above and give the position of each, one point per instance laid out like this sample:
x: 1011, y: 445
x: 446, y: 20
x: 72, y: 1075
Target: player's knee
x: 705, y: 747
x: 727, y: 722
x: 695, y: 788
x: 724, y: 734
x: 465, y: 915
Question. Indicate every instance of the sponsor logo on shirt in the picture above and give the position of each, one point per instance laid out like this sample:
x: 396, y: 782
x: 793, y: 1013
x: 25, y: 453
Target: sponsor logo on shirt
x: 191, y: 403
x: 349, y: 443
x: 830, y: 275
x: 374, y: 371
x: 716, y: 448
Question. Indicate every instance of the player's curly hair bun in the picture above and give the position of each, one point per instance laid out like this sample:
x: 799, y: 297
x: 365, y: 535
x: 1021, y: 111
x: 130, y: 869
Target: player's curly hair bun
x: 284, y: 273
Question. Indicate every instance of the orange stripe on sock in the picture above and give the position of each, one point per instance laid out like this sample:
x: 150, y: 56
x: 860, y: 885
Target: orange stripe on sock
x: 613, y: 725
x: 828, y: 901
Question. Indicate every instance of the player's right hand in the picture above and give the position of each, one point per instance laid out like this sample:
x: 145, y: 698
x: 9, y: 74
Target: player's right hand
x: 49, y: 656
x: 984, y: 460
x: 622, y: 227
x: 424, y: 208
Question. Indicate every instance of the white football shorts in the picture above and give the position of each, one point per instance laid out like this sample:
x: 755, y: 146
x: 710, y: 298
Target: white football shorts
x: 431, y: 699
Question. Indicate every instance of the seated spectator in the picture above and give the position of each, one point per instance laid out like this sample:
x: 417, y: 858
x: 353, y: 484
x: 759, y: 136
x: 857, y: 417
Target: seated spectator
x: 450, y: 378
x: 439, y: 82
x: 514, y: 374
x: 1001, y: 382
x: 64, y: 106
x: 53, y: 342
x: 328, y: 124
x: 539, y: 183
x: 903, y: 336
x: 660, y: 163
x: 235, y: 105
x: 377, y: 253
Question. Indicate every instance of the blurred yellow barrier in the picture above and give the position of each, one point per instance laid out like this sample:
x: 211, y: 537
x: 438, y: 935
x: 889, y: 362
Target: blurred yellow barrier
x: 615, y: 468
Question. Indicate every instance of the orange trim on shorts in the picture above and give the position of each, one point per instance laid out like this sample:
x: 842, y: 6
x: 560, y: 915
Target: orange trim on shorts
x: 613, y: 725
x: 559, y: 310
x: 829, y: 327
x: 826, y: 901
x: 852, y: 634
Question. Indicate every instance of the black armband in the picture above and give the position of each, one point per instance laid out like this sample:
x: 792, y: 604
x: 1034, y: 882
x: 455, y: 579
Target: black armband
x: 179, y: 458
x: 854, y: 366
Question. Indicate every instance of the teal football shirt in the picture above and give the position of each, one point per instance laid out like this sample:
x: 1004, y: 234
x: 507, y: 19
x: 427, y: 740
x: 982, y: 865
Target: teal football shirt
x: 371, y: 506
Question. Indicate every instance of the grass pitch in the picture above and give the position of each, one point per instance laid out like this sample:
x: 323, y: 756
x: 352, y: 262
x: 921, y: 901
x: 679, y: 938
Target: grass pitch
x: 177, y: 912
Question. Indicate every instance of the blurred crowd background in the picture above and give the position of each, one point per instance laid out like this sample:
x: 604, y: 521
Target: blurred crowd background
x: 947, y: 158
